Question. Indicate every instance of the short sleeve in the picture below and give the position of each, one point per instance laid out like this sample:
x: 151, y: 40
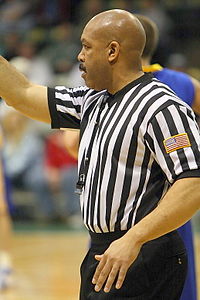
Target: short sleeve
x: 173, y: 138
x: 65, y: 106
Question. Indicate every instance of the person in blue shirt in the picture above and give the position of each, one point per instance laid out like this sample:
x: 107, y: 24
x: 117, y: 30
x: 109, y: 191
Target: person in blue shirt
x: 188, y: 89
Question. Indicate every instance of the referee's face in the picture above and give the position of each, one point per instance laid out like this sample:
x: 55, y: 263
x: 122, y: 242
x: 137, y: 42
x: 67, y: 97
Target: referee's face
x: 93, y: 59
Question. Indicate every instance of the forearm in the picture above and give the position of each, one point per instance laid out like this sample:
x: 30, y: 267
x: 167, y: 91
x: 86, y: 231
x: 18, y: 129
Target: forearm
x: 19, y: 92
x: 176, y: 208
x: 13, y: 84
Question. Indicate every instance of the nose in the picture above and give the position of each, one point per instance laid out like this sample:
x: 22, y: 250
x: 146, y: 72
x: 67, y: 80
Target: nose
x: 81, y: 56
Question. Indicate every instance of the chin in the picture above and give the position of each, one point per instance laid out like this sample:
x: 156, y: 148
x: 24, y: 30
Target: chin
x: 93, y: 86
x: 90, y: 84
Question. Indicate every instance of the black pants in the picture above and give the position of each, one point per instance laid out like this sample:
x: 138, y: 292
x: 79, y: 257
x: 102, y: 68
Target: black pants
x: 158, y: 273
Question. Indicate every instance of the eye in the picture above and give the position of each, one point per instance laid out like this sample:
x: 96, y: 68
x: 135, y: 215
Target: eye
x: 85, y: 46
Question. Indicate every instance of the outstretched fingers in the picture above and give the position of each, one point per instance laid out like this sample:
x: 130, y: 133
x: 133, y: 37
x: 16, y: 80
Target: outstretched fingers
x: 122, y: 274
x: 101, y: 274
x: 107, y: 273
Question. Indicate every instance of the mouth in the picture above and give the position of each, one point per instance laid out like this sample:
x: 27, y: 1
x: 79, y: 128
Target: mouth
x: 82, y: 69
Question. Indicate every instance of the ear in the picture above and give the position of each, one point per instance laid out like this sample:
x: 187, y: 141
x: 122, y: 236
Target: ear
x: 113, y: 51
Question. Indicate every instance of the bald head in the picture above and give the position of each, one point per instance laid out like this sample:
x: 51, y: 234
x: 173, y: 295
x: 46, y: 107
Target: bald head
x: 121, y: 26
x: 112, y: 46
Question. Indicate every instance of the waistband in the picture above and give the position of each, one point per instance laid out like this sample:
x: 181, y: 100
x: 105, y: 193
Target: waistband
x: 107, y: 237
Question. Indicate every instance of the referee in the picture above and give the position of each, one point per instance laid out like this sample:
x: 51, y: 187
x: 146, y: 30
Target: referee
x: 137, y: 139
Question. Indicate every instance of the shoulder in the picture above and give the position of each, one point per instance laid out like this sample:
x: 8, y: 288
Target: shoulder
x: 169, y: 74
x: 179, y: 82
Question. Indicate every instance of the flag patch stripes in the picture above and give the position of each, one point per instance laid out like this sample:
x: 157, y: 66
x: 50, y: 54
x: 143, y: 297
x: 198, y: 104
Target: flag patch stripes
x: 176, y: 142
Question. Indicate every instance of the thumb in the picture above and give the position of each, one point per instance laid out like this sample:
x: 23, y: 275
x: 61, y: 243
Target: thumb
x: 98, y: 257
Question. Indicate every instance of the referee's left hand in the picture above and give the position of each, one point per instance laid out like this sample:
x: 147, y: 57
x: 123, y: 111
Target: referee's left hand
x: 114, y: 263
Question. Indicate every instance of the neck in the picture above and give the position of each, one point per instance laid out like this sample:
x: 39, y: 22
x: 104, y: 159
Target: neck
x: 146, y: 61
x: 121, y: 81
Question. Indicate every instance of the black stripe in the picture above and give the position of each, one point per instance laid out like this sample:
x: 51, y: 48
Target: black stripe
x: 140, y: 186
x: 87, y: 116
x: 152, y: 194
x: 173, y: 131
x: 68, y: 104
x: 68, y: 121
x: 165, y: 87
x: 52, y: 108
x: 88, y: 204
x: 93, y: 196
x: 190, y: 134
x: 73, y: 93
x: 189, y: 174
x: 160, y: 138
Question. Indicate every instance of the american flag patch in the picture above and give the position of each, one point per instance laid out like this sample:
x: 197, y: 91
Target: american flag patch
x: 176, y: 142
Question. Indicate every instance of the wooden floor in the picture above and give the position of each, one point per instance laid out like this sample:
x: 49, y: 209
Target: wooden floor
x: 47, y: 265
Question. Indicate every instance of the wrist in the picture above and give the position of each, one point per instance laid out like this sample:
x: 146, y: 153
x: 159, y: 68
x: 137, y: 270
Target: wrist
x: 134, y: 236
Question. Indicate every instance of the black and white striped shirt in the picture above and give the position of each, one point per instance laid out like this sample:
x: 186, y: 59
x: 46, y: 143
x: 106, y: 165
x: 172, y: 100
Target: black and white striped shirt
x: 129, y: 150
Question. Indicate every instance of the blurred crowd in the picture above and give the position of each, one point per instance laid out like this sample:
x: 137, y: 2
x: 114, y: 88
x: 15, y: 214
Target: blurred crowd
x: 41, y: 39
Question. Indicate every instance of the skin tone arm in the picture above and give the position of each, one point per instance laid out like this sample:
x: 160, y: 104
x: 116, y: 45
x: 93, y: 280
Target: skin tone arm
x: 178, y: 205
x: 30, y: 99
x: 71, y: 141
x: 196, y: 103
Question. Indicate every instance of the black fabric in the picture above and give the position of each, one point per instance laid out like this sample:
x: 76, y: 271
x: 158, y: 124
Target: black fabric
x: 189, y: 174
x: 158, y: 273
x: 52, y: 109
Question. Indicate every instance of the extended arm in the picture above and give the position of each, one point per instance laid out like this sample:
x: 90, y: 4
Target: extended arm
x: 19, y: 92
x: 177, y: 207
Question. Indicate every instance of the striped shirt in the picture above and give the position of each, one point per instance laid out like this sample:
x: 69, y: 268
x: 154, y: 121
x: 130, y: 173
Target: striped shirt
x: 129, y: 151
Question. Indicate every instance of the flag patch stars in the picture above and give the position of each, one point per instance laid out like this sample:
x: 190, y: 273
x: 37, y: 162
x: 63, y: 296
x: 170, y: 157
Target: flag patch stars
x: 176, y: 142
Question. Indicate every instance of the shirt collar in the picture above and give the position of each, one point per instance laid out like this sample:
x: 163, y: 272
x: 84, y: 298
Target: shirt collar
x: 113, y: 98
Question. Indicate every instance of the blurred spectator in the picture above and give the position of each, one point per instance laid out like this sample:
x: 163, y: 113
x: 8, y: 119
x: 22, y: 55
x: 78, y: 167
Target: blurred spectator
x: 53, y: 12
x: 16, y: 15
x: 45, y: 169
x: 63, y: 48
x: 121, y: 4
x: 9, y: 44
x: 61, y: 174
x: 23, y: 150
x: 178, y: 62
x: 71, y: 79
x: 6, y: 267
x: 34, y: 66
x: 88, y: 9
